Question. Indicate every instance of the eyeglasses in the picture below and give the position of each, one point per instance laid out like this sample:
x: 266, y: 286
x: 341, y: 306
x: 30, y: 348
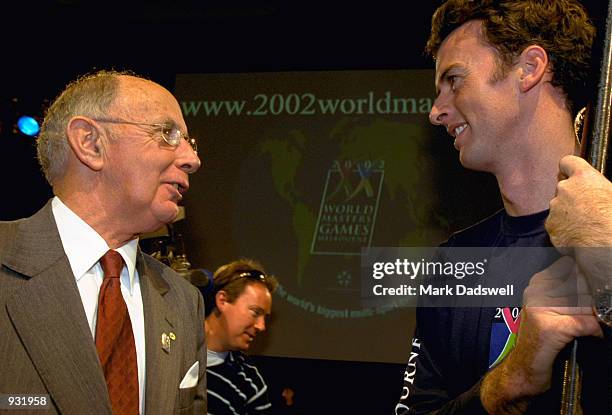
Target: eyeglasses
x: 171, y: 134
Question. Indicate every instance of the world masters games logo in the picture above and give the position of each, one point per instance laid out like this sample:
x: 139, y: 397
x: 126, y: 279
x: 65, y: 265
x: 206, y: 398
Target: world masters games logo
x: 349, y: 205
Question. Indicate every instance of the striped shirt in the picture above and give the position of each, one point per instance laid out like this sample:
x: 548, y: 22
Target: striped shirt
x: 235, y: 386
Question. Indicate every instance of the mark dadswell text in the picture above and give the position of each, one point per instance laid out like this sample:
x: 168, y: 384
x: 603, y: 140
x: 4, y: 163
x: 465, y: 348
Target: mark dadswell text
x: 447, y: 290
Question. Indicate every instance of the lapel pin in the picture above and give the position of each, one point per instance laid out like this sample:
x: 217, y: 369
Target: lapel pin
x: 165, y: 340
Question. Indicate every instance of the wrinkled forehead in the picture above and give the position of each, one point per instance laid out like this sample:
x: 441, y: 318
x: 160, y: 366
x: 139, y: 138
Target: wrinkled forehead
x: 143, y: 98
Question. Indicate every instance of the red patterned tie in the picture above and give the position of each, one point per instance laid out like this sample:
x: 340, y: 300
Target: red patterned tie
x: 115, y: 340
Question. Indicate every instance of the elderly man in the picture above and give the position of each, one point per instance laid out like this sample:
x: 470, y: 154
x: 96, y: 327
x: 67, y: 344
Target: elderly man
x: 90, y: 324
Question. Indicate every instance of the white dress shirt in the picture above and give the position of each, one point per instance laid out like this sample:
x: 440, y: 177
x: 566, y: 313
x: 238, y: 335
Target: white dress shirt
x: 84, y: 247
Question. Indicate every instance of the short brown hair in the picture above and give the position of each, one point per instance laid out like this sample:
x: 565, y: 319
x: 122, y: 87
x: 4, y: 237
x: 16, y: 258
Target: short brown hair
x: 228, y: 278
x: 561, y: 27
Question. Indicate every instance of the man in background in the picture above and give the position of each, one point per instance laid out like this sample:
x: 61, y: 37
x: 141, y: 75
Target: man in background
x: 90, y: 324
x: 238, y: 302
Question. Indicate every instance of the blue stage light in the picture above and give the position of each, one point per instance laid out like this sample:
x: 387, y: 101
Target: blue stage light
x: 28, y: 125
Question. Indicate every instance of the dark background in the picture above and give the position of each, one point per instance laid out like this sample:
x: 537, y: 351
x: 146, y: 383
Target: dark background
x: 47, y: 45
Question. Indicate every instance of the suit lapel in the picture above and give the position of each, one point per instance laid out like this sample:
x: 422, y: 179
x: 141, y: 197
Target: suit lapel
x: 49, y: 318
x: 163, y: 364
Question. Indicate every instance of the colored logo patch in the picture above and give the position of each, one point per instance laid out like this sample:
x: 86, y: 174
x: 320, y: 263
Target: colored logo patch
x: 504, y: 331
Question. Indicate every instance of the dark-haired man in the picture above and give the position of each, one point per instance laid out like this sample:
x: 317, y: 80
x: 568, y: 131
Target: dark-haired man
x: 509, y: 79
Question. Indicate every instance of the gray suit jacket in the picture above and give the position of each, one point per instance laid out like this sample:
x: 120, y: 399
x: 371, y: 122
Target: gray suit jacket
x: 46, y: 346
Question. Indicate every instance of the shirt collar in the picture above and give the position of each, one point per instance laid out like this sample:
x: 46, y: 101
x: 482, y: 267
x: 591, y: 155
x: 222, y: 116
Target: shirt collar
x: 215, y: 358
x: 84, y: 246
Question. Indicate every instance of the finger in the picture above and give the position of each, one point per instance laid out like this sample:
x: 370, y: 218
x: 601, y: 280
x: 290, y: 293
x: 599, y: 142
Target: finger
x: 582, y: 284
x: 570, y: 165
x: 561, y: 268
x: 586, y: 326
x: 560, y: 176
x: 542, y: 284
x: 575, y: 310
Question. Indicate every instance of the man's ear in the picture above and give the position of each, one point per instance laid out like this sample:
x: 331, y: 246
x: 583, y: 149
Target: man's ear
x: 85, y: 140
x: 534, y: 67
x: 221, y: 300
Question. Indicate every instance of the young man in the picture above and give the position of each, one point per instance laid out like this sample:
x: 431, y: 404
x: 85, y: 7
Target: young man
x: 83, y: 310
x: 237, y: 307
x: 509, y: 76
